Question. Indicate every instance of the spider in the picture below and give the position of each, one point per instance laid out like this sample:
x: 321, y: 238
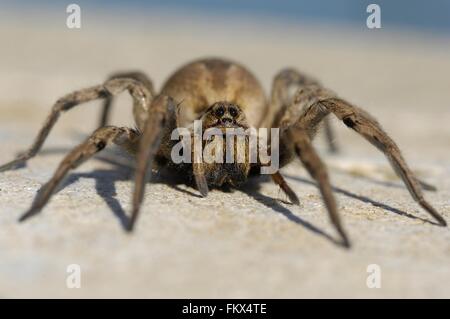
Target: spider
x: 220, y: 93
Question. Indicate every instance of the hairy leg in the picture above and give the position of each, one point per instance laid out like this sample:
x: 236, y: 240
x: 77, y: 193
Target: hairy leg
x: 280, y: 181
x: 316, y: 101
x: 148, y: 147
x: 330, y: 136
x: 125, y: 137
x: 199, y: 175
x: 317, y: 169
x: 281, y: 96
x: 138, y: 91
x: 136, y: 75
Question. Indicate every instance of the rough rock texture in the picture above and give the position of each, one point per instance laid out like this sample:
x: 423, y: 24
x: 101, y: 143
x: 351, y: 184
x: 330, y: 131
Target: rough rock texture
x: 247, y: 243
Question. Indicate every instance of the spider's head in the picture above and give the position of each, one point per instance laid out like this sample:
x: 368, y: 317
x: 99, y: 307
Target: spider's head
x: 224, y: 115
x: 222, y: 119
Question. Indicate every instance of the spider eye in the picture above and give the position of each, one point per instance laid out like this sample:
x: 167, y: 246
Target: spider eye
x: 233, y: 111
x: 220, y: 111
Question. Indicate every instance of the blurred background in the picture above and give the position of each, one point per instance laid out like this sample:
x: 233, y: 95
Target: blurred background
x: 432, y: 16
x: 233, y: 244
x: 329, y: 39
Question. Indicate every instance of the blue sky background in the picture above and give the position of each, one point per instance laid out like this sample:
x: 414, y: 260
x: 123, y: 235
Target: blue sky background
x: 415, y: 15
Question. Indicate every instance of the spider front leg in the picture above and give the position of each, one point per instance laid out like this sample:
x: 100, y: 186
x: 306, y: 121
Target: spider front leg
x: 199, y: 174
x: 149, y: 144
x: 317, y: 101
x: 122, y: 136
x: 281, y: 97
x: 279, y: 180
x: 139, y: 92
x: 296, y: 139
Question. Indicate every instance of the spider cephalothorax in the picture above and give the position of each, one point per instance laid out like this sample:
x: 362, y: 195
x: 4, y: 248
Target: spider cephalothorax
x: 221, y: 95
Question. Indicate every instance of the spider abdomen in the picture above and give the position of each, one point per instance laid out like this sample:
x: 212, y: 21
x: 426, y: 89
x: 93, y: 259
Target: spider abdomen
x: 201, y: 83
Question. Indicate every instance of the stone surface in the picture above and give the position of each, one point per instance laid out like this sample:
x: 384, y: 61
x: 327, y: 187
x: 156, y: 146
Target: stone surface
x: 246, y: 243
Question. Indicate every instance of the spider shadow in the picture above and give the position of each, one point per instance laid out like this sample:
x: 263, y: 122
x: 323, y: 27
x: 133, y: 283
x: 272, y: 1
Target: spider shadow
x: 363, y: 199
x: 122, y: 170
x: 425, y: 186
x: 252, y: 189
x: 105, y: 180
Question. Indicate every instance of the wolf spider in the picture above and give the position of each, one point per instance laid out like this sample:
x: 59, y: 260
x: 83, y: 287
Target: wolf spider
x: 221, y: 94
